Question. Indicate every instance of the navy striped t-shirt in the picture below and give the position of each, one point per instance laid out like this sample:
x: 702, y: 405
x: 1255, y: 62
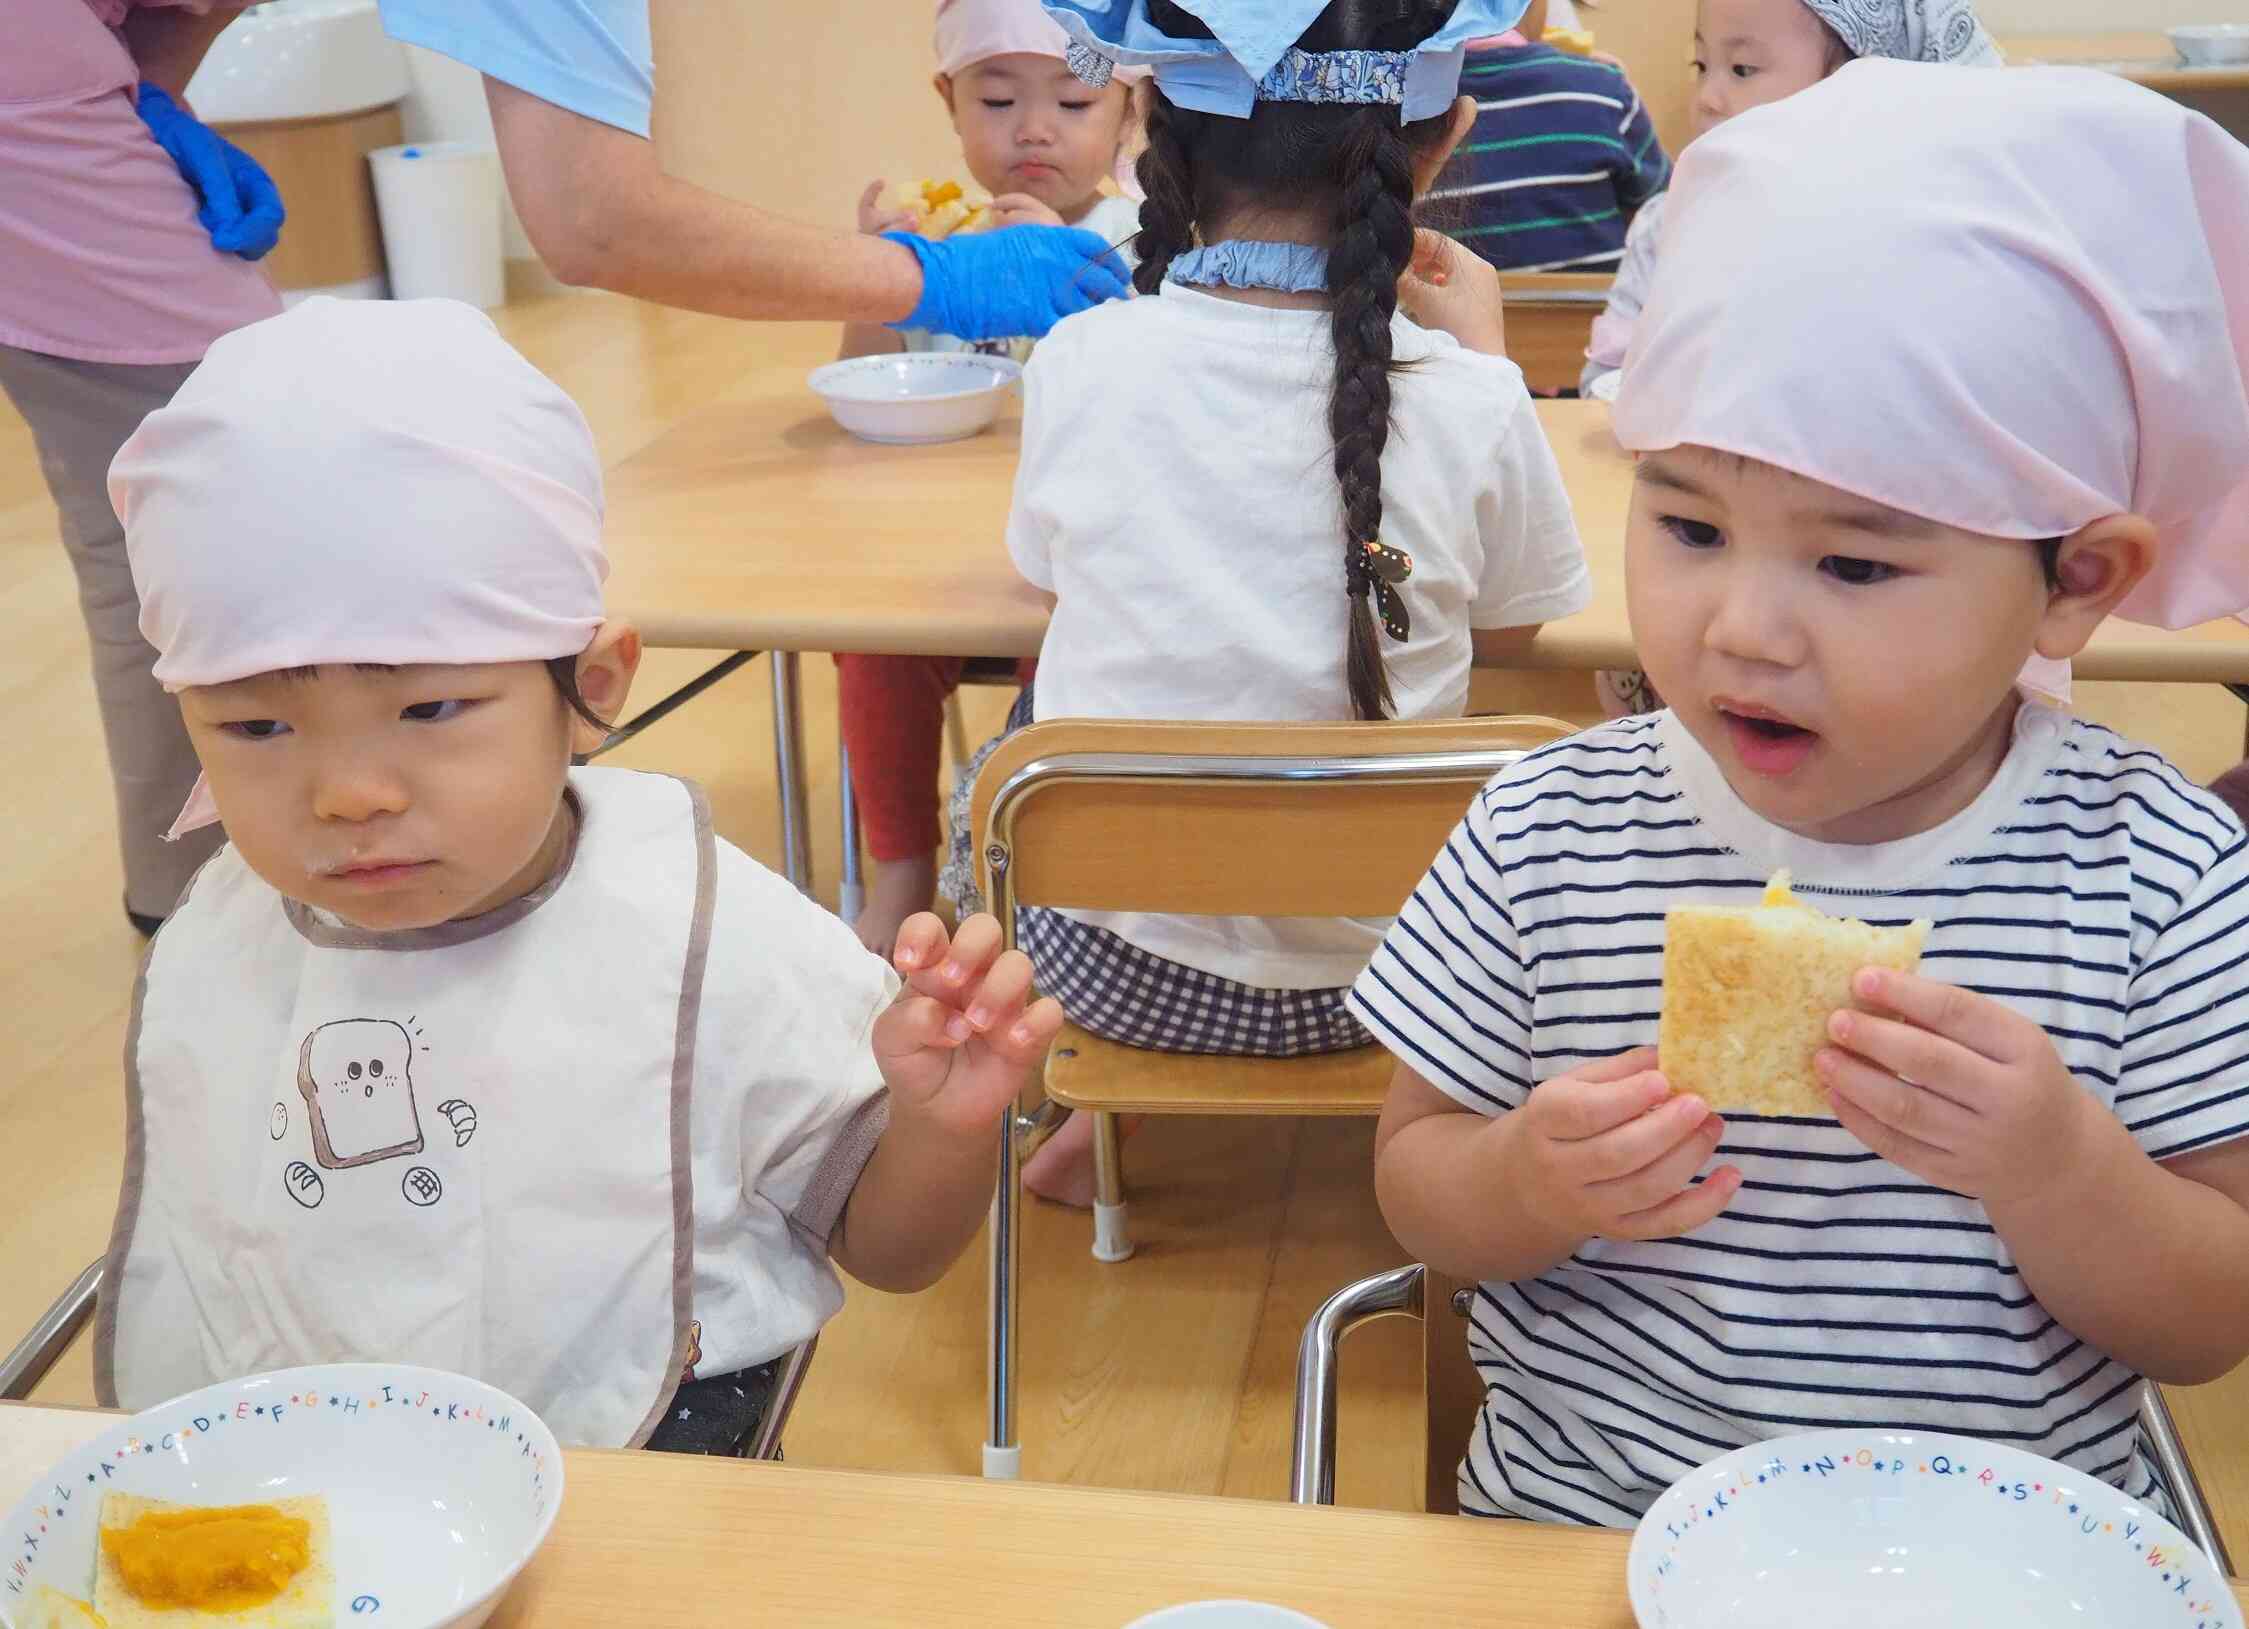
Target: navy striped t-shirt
x: 2090, y: 887
x: 1561, y: 155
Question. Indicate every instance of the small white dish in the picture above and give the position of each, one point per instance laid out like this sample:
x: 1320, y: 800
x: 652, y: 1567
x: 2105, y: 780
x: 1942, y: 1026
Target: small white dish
x: 2212, y: 45
x: 1225, y: 1615
x: 1853, y: 1529
x: 439, y: 1488
x: 912, y: 398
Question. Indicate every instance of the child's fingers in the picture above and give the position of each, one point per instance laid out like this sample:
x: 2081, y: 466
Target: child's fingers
x: 1683, y: 1212
x: 1025, y: 1041
x: 1988, y: 1028
x: 1669, y: 1172
x: 911, y: 1024
x: 872, y: 196
x: 951, y: 976
x: 1909, y: 1052
x: 921, y: 943
x: 1006, y: 985
x: 1572, y: 1110
x: 1913, y: 1112
x: 1639, y: 1142
x: 1621, y: 1067
x: 1906, y: 1152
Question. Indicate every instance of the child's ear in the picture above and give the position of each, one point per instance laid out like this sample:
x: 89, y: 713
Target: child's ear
x: 1432, y: 164
x: 944, y: 87
x: 605, y: 678
x: 2098, y: 566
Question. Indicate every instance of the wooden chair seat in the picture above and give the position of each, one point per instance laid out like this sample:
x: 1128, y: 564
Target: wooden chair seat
x: 1086, y: 1072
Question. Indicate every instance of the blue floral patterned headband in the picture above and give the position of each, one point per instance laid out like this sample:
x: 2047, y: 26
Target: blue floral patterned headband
x: 1254, y: 57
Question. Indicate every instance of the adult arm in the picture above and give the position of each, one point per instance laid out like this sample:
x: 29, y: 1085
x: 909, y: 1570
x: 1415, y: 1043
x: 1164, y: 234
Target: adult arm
x: 601, y: 212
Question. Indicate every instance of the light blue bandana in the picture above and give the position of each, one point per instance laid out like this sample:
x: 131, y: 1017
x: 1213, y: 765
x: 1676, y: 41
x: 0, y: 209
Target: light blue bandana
x: 1254, y: 57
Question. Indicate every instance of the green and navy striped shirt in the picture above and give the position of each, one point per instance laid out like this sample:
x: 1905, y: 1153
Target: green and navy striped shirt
x: 1561, y: 156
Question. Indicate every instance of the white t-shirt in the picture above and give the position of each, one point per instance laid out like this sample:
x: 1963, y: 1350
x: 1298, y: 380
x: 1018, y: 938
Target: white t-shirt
x: 1177, y: 496
x: 1116, y: 221
x: 2090, y: 887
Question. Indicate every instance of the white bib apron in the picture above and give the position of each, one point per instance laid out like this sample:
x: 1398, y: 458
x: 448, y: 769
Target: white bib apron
x: 464, y: 1146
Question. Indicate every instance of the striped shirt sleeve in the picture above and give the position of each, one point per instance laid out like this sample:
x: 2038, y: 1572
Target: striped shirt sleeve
x: 1648, y: 170
x: 2184, y: 1080
x: 1449, y: 991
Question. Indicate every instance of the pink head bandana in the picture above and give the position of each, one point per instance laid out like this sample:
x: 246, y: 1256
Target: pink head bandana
x: 361, y: 481
x: 2012, y: 303
x: 973, y: 31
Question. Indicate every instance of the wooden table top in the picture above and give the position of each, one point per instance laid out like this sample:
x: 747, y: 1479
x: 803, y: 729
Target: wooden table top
x: 2147, y: 58
x: 662, y: 1539
x: 757, y: 524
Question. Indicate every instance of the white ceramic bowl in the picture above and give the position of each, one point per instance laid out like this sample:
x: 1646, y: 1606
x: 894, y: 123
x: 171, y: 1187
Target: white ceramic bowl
x: 916, y: 397
x: 1225, y: 1615
x: 439, y: 1488
x: 1853, y: 1529
x: 2212, y: 45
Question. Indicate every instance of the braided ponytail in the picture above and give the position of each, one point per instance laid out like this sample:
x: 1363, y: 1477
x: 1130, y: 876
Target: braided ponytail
x: 1373, y: 248
x: 1167, y: 177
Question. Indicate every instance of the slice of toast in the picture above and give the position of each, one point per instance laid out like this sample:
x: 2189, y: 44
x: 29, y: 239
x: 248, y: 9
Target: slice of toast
x: 309, y: 1601
x: 1747, y: 995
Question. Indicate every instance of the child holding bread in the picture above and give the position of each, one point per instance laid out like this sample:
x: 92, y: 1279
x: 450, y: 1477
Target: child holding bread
x: 454, y: 1054
x: 1042, y: 142
x: 1988, y: 1196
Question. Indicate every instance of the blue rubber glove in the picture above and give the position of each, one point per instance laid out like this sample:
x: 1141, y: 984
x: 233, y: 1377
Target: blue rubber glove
x: 236, y: 201
x: 1018, y: 281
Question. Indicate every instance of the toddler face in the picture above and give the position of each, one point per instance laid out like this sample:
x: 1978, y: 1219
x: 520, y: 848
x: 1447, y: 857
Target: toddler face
x: 1028, y: 124
x: 391, y: 797
x: 1850, y: 667
x: 1750, y: 52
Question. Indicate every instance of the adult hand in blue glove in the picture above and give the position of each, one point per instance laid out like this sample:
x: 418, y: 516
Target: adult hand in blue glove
x: 1012, y: 283
x: 236, y: 201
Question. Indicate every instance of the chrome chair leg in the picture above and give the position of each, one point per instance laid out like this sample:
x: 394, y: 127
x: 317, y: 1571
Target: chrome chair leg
x: 1396, y: 1293
x: 23, y: 1369
x: 2187, y: 1497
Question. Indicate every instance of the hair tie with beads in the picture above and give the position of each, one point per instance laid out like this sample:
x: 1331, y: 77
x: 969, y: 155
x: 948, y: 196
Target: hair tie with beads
x: 1379, y: 569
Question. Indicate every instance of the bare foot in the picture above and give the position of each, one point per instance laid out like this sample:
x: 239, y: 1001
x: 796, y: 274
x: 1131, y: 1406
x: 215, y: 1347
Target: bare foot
x: 897, y: 890
x: 1062, y: 1169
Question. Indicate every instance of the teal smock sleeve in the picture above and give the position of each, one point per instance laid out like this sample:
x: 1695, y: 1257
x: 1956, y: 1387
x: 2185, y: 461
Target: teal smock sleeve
x: 593, y: 57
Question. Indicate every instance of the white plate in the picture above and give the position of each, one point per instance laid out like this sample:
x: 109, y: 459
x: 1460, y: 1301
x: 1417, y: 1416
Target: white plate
x: 915, y: 397
x: 2212, y: 45
x: 439, y: 1488
x: 1226, y: 1615
x: 1845, y: 1529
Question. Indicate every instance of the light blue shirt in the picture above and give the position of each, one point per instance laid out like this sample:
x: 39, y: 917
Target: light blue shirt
x: 593, y: 57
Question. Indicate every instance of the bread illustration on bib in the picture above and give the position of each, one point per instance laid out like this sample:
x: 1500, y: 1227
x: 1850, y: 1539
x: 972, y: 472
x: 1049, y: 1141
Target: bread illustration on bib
x: 1747, y: 994
x: 359, y: 1090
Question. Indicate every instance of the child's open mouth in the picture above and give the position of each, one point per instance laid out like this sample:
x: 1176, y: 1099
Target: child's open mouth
x: 1765, y: 742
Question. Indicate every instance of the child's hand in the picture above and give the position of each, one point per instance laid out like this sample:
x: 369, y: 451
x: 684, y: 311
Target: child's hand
x: 959, y: 1047
x: 874, y: 219
x: 1607, y: 1152
x: 1959, y: 1089
x: 1020, y: 209
x: 1457, y: 290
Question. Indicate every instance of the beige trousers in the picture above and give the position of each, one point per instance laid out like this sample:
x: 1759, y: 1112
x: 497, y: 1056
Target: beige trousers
x: 80, y: 413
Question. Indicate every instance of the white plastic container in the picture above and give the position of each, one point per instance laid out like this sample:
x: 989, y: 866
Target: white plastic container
x: 440, y: 207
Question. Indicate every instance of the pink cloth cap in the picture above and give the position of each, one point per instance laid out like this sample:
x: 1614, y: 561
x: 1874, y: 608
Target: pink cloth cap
x: 973, y: 31
x: 361, y: 481
x: 2012, y: 303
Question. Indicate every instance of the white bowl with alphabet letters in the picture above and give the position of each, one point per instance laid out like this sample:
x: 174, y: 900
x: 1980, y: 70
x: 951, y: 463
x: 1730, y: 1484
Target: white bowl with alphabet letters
x: 439, y: 1488
x: 1852, y: 1529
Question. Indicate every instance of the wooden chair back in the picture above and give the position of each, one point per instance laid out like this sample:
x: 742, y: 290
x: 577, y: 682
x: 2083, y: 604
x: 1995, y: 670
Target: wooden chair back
x: 1230, y: 819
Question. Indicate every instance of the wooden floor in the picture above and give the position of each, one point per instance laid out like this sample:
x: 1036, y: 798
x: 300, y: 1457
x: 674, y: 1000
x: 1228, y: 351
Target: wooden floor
x: 1170, y: 1371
